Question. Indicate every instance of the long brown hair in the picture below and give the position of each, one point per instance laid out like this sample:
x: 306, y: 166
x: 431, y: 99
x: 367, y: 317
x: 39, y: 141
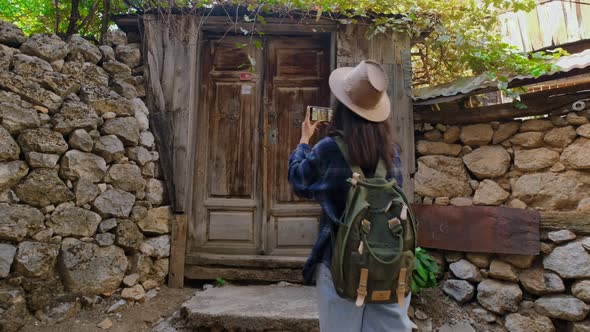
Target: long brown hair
x: 366, y: 141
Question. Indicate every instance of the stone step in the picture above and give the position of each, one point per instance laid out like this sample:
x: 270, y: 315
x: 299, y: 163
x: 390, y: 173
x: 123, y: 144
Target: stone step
x: 254, y: 308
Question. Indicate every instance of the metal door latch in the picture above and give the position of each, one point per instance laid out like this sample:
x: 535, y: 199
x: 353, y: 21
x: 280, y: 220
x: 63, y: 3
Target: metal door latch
x: 272, y: 136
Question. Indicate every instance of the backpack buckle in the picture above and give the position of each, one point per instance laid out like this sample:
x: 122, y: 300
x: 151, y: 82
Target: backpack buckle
x: 362, y: 289
x: 355, y: 178
x: 404, y: 213
x: 394, y: 222
x: 366, y: 226
x: 401, y: 287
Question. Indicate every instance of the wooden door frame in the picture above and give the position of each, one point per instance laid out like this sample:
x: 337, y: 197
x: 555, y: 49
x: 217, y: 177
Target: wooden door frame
x: 199, y: 191
x: 197, y: 265
x: 379, y: 48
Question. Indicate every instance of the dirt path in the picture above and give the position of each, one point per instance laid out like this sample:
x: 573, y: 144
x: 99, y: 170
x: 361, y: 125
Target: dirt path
x: 138, y: 318
x: 437, y: 308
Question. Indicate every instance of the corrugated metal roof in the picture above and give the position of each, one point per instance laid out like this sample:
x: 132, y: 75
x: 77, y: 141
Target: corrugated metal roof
x: 470, y: 84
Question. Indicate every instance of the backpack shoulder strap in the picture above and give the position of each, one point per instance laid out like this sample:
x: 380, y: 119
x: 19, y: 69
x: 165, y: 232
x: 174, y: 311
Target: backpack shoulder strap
x: 381, y: 170
x: 344, y: 151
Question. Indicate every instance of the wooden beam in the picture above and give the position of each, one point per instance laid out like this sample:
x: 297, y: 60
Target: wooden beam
x: 273, y: 26
x: 577, y: 222
x: 484, y: 229
x: 178, y: 251
x: 251, y: 261
x: 554, y: 105
x: 556, y: 101
x: 577, y: 83
x: 274, y: 275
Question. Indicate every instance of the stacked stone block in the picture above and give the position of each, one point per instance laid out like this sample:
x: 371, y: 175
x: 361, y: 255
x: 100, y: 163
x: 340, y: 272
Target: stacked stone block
x: 540, y: 163
x: 82, y: 205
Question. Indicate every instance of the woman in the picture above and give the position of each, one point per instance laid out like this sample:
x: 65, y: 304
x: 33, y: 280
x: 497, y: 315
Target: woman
x: 320, y: 173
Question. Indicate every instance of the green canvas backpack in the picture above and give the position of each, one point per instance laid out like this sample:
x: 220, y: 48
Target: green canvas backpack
x: 373, y: 256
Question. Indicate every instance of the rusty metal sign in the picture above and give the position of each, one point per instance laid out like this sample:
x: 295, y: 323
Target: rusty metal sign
x: 483, y: 229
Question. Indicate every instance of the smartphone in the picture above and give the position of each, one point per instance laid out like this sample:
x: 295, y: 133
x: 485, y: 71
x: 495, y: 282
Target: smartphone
x: 319, y: 113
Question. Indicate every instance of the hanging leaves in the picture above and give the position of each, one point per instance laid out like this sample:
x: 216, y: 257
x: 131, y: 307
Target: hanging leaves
x: 452, y: 38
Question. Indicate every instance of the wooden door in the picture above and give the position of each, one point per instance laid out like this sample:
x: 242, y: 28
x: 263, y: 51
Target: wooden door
x: 245, y: 205
x: 297, y: 71
x: 228, y: 185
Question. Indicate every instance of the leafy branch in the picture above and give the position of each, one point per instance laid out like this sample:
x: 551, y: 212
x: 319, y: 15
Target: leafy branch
x: 425, y: 271
x: 451, y: 38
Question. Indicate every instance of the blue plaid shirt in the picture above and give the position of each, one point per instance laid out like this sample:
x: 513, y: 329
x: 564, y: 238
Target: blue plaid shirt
x: 320, y: 173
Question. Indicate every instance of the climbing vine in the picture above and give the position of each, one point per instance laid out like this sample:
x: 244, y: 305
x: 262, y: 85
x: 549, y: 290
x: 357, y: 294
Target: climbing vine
x: 451, y: 38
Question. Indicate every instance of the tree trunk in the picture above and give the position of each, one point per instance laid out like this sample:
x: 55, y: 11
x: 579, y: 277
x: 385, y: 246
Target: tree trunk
x: 106, y: 11
x: 74, y: 17
x: 57, y: 16
x: 87, y: 21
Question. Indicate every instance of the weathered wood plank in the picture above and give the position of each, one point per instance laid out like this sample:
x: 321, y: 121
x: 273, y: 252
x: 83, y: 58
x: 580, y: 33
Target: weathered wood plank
x: 159, y: 122
x: 402, y: 115
x: 478, y: 229
x: 172, y: 72
x: 577, y: 222
x: 555, y: 106
x: 172, y: 97
x: 178, y: 251
x: 203, y: 272
x: 250, y: 261
x: 392, y: 52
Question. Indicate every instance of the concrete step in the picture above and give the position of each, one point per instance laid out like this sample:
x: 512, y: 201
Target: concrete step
x: 253, y: 308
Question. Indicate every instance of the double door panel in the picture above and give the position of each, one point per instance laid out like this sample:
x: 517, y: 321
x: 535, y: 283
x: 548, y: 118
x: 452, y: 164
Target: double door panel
x: 253, y: 103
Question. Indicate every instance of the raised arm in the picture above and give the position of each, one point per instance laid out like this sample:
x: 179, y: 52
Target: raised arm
x: 304, y: 163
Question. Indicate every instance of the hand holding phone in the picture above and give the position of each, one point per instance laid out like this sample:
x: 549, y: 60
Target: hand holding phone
x: 307, y: 127
x: 322, y: 114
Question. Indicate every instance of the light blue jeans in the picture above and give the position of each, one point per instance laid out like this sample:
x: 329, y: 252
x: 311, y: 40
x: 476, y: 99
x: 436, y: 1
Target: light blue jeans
x: 340, y: 315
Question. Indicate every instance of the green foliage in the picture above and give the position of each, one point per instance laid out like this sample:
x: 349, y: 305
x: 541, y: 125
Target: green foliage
x: 220, y: 281
x: 425, y: 270
x: 464, y: 41
x: 451, y: 38
x: 53, y: 16
x: 29, y: 15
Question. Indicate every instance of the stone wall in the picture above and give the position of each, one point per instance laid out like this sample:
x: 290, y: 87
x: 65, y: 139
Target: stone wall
x: 539, y: 164
x: 82, y: 206
x: 542, y: 164
x: 521, y: 293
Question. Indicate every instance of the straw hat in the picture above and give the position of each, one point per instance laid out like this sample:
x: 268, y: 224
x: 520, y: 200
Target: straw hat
x: 362, y: 89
